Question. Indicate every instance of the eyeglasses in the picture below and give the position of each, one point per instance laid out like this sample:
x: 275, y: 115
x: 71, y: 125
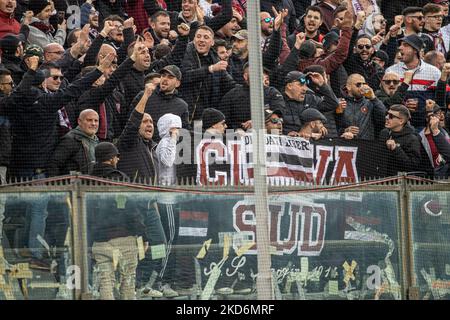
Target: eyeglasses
x: 362, y: 46
x: 394, y: 82
x: 275, y: 120
x: 267, y: 20
x: 440, y: 17
x: 417, y: 17
x: 61, y: 78
x: 392, y: 116
x: 360, y: 84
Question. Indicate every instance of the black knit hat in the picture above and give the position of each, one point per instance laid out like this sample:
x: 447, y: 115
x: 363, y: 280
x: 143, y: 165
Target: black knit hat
x: 105, y: 151
x: 312, y: 114
x: 307, y: 49
x: 210, y: 117
x: 37, y: 6
x: 382, y: 55
x: 329, y: 39
x: 10, y: 42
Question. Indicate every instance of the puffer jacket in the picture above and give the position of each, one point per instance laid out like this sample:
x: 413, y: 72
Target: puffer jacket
x: 364, y: 114
x: 324, y: 100
x: 166, y: 149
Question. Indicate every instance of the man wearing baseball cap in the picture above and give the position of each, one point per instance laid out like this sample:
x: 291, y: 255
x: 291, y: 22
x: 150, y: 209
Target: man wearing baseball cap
x: 299, y: 97
x: 165, y: 98
x: 426, y: 77
x: 312, y: 124
x: 11, y: 46
x: 239, y: 56
x: 273, y: 121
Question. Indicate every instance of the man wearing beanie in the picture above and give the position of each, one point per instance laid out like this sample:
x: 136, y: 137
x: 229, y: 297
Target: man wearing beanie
x: 213, y: 121
x: 12, y: 52
x: 41, y: 31
x: 115, y: 229
x: 106, y: 159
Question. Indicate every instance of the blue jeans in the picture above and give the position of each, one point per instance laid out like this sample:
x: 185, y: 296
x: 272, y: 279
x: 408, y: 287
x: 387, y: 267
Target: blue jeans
x: 36, y: 217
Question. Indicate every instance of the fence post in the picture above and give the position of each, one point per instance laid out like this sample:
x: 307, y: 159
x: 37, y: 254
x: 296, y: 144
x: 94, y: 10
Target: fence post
x: 406, y: 247
x: 79, y: 237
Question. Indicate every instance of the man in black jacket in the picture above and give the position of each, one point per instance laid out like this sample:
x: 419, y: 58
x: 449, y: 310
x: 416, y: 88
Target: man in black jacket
x: 235, y: 105
x: 401, y: 140
x: 135, y: 143
x: 115, y: 226
x: 191, y: 14
x: 205, y: 79
x: 34, y: 119
x: 299, y: 97
x: 134, y: 81
x: 12, y: 52
x: 75, y: 152
x: 100, y: 96
x: 6, y: 87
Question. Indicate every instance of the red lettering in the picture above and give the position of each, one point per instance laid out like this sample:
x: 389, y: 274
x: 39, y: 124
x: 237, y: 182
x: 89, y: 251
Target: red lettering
x: 204, y: 150
x: 345, y: 167
x: 323, y: 156
x: 288, y: 244
x: 312, y: 244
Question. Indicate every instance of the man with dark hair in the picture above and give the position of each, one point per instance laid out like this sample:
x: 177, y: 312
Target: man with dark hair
x: 401, y: 141
x: 159, y: 26
x: 12, y: 52
x: 223, y: 49
x: 6, y: 87
x: 413, y: 20
x: 235, y: 104
x: 361, y: 62
x: 205, y: 79
x: 328, y: 8
x: 313, y: 19
x: 431, y: 35
x: 312, y: 124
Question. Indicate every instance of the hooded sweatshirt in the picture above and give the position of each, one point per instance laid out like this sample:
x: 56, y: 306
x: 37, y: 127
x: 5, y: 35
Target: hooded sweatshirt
x: 166, y: 149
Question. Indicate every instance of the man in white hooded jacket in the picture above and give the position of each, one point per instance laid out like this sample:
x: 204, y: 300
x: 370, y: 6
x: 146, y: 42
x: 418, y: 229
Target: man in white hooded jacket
x: 168, y: 127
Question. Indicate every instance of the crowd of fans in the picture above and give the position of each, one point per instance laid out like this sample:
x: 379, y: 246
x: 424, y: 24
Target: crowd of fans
x: 110, y: 97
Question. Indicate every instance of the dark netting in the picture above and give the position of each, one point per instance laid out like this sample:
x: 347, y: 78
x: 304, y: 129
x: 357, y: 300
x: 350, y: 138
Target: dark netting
x: 156, y: 93
x: 430, y: 244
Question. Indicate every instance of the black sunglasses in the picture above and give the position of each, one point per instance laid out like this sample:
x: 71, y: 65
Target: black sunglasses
x: 58, y: 77
x: 394, y: 82
x: 367, y: 46
x: 360, y: 84
x: 392, y: 116
x: 418, y: 17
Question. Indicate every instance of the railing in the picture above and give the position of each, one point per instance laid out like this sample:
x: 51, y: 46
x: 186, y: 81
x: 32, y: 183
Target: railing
x: 379, y: 239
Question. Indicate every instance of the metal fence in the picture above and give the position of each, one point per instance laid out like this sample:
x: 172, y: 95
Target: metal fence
x: 379, y: 239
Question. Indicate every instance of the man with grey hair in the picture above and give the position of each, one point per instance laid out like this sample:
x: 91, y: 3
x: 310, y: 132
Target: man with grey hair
x: 76, y: 150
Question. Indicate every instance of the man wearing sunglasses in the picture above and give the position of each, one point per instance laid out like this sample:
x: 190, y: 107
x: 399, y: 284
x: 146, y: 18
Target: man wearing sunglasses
x: 413, y: 19
x: 401, y: 141
x: 364, y: 112
x: 273, y: 121
x: 392, y: 90
x: 361, y: 62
